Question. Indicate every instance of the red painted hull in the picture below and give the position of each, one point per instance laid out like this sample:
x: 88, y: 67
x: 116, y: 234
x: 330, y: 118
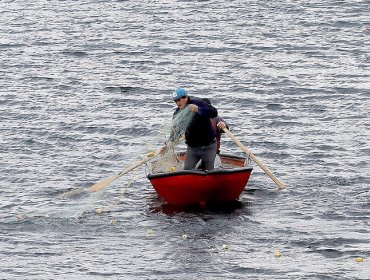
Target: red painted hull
x: 198, y: 187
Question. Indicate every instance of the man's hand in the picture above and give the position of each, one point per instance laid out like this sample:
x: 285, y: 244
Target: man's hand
x: 193, y: 108
x: 221, y: 125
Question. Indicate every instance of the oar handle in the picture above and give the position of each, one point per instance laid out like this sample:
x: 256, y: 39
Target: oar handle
x: 252, y: 156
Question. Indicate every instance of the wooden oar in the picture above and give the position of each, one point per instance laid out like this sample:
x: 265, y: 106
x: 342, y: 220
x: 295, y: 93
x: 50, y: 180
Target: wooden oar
x: 107, y: 181
x: 252, y: 156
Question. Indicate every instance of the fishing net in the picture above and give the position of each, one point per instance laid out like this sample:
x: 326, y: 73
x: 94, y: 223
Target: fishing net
x: 180, y: 123
x: 170, y: 161
x: 166, y: 161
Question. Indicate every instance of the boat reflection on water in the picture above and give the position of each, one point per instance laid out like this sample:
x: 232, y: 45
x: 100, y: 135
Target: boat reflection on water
x: 158, y: 205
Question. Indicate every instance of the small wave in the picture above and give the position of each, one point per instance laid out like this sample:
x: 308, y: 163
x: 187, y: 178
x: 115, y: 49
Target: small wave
x: 75, y: 53
x: 117, y: 89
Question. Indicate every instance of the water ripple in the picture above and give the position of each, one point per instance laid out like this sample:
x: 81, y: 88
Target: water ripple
x: 86, y: 89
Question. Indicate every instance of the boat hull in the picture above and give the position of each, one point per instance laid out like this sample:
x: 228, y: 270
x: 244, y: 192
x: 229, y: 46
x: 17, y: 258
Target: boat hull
x: 201, y: 187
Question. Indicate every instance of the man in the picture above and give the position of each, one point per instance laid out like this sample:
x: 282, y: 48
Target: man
x: 200, y: 137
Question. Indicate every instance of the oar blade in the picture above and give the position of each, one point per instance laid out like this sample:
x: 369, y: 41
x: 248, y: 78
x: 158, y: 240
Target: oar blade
x: 101, y: 184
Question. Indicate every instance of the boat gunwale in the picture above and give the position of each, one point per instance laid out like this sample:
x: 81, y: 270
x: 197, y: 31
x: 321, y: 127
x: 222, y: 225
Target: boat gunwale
x: 200, y: 173
x: 205, y: 172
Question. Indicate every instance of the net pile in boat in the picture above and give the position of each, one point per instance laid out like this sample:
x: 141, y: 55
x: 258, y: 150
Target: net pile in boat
x: 167, y: 163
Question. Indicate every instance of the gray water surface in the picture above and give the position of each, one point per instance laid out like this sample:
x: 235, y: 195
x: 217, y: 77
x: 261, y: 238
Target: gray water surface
x: 85, y: 89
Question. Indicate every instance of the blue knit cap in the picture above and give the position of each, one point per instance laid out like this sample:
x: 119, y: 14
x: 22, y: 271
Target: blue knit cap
x: 178, y: 93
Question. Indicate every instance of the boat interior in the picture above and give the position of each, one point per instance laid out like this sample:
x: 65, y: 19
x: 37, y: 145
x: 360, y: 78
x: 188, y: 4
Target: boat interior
x: 174, y: 163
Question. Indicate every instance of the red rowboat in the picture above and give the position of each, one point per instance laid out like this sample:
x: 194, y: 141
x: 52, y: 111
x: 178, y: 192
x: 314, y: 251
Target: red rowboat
x: 190, y: 187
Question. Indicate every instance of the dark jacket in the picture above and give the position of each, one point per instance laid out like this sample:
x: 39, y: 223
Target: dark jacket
x: 200, y: 131
x: 215, y: 122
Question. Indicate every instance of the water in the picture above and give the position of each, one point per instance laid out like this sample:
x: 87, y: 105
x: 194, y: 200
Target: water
x: 85, y: 89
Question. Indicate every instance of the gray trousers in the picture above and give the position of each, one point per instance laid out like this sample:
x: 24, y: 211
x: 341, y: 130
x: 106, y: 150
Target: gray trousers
x: 205, y: 153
